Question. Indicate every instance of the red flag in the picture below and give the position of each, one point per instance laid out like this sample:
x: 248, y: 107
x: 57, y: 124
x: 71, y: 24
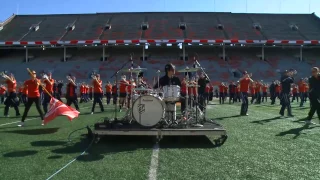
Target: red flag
x: 58, y: 108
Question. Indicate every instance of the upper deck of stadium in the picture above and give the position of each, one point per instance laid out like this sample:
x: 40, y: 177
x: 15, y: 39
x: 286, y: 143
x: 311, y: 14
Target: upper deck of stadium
x: 127, y: 26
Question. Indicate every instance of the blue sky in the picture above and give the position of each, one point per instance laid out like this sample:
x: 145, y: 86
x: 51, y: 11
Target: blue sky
x: 8, y: 7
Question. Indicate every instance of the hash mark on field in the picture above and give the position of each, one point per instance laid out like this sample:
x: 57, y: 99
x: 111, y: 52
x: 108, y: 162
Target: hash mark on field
x: 154, y: 162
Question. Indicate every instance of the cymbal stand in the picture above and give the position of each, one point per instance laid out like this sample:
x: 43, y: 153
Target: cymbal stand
x: 197, y: 104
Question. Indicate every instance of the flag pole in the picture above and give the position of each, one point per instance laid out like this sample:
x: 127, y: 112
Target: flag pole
x: 43, y: 88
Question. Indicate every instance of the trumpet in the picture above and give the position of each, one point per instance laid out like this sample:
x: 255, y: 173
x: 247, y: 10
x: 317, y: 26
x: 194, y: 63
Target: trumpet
x: 45, y: 77
x: 5, y: 76
x: 70, y: 79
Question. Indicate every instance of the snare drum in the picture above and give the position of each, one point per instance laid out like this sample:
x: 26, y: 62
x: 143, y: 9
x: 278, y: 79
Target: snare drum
x: 171, y: 93
x: 148, y: 110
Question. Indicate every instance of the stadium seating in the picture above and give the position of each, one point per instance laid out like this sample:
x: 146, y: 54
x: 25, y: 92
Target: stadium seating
x: 239, y: 27
x: 53, y: 28
x: 85, y: 59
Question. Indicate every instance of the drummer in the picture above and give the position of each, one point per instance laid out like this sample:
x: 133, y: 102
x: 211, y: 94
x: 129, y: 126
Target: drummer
x: 169, y: 78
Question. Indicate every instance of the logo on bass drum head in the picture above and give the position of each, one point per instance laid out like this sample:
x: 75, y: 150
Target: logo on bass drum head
x: 141, y: 108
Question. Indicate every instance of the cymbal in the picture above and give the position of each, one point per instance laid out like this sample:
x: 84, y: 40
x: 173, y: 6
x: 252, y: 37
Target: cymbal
x: 134, y: 70
x: 189, y: 70
x: 142, y: 89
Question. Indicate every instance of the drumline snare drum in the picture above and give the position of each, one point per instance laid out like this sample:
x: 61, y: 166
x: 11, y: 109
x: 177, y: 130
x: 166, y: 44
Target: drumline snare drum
x: 171, y: 93
x: 148, y: 110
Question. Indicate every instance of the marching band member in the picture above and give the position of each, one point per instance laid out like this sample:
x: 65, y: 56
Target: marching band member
x: 302, y: 90
x: 114, y: 93
x: 33, y: 97
x: 86, y: 92
x: 82, y: 92
x: 286, y: 80
x: 129, y: 91
x: 90, y: 92
x: 221, y: 93
x: 264, y: 92
x: 48, y: 81
x: 71, y: 94
x: 183, y: 93
x: 11, y: 100
x: 295, y: 93
x: 232, y: 91
x: 59, y: 90
x: 202, y: 83
x: 24, y: 95
x: 211, y: 93
x: 123, y: 91
x: 252, y: 88
x: 108, y: 92
x: 314, y: 84
x: 3, y: 90
x: 244, y: 88
x: 97, y: 93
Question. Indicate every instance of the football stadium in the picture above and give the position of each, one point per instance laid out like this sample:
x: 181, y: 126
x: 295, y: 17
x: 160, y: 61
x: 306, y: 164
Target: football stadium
x: 182, y: 95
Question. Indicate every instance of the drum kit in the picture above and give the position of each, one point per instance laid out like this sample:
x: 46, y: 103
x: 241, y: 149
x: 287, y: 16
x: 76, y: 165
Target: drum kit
x: 157, y: 107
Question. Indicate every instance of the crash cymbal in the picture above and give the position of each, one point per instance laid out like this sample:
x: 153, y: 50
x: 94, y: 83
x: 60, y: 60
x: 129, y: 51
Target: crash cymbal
x: 189, y: 70
x: 134, y: 70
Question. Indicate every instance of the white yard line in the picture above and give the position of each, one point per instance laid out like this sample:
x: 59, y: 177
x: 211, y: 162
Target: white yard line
x: 18, y: 121
x: 154, y: 163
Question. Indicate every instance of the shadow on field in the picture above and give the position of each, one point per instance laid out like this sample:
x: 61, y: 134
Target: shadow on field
x: 20, y: 153
x: 34, y: 131
x: 296, y: 131
x: 226, y: 117
x: 129, y: 144
x: 262, y: 122
x: 87, y: 113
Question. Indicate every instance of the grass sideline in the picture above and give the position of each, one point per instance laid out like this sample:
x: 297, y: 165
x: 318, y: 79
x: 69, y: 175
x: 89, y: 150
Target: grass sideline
x: 260, y: 146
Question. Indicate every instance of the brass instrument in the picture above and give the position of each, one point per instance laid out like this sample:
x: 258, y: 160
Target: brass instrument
x: 45, y: 77
x: 5, y: 76
x: 71, y: 80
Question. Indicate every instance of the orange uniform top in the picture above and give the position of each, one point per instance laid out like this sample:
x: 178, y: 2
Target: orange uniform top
x: 264, y: 89
x: 244, y: 85
x: 49, y: 85
x: 97, y: 86
x: 108, y: 88
x: 11, y: 86
x: 252, y: 89
x: 82, y: 89
x: 25, y: 90
x: 294, y: 89
x: 302, y: 87
x: 33, y: 88
x: 221, y: 88
x: 2, y: 90
x: 123, y: 86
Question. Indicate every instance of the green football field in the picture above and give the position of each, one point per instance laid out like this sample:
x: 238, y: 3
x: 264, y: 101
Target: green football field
x: 260, y: 146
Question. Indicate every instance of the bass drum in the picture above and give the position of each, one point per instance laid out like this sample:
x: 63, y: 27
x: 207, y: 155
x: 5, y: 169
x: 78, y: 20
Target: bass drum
x: 148, y: 110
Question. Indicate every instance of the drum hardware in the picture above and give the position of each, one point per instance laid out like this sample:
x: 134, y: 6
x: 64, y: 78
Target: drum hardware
x: 118, y: 92
x: 187, y: 69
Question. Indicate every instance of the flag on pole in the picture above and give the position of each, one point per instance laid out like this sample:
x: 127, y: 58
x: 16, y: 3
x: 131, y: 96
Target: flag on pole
x: 58, y: 108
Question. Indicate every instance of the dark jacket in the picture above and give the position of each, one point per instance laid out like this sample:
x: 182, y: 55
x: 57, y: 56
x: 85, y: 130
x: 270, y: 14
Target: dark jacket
x: 314, y: 87
x: 286, y: 82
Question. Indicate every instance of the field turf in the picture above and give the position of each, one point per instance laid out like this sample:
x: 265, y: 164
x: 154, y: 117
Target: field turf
x: 260, y: 146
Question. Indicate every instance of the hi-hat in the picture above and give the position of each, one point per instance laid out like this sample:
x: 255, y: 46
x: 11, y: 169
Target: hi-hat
x: 134, y: 70
x: 189, y: 70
